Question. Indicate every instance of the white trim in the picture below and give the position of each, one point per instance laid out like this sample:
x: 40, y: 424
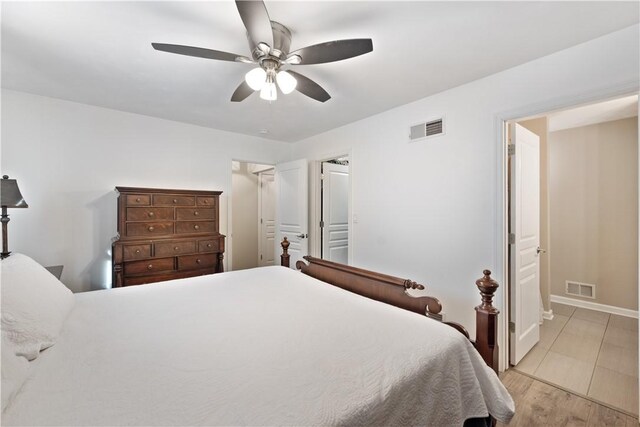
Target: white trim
x: 595, y: 306
x: 547, y: 315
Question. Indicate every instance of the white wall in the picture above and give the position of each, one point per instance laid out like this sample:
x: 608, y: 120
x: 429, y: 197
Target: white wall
x: 430, y: 210
x: 68, y: 157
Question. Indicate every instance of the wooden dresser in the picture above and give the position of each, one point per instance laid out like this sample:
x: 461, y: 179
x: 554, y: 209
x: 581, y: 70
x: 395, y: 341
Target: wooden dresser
x: 166, y: 234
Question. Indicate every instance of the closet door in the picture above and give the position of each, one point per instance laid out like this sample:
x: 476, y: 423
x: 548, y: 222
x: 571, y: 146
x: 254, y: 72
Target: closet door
x: 292, y: 208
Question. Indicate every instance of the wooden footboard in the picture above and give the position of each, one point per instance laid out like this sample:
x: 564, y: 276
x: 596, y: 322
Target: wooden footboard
x: 394, y: 291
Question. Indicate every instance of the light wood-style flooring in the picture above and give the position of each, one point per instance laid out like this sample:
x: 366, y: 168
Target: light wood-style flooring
x: 541, y: 404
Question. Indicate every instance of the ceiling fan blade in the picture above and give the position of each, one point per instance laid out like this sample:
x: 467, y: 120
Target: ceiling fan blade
x: 198, y: 52
x: 242, y: 92
x: 256, y: 20
x: 310, y: 88
x: 336, y: 50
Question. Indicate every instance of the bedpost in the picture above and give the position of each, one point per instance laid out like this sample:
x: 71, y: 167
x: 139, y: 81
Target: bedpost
x: 284, y: 258
x: 487, y: 321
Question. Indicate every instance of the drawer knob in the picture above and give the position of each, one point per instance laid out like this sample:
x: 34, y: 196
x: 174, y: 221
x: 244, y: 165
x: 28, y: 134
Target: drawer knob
x: 151, y: 214
x: 197, y: 227
x: 208, y: 245
x: 205, y: 201
x: 137, y: 199
x: 151, y: 228
x: 137, y: 251
x: 175, y: 200
x: 149, y: 267
x: 196, y: 213
x: 198, y: 261
x: 176, y: 248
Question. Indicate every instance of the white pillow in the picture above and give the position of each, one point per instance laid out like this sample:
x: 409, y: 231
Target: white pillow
x: 34, y: 305
x: 15, y: 370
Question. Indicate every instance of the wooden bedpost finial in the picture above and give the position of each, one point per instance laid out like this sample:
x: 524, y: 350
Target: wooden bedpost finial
x: 487, y: 287
x: 284, y: 258
x: 487, y: 321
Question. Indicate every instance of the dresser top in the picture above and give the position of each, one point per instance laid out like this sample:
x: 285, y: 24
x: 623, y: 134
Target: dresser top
x: 165, y: 190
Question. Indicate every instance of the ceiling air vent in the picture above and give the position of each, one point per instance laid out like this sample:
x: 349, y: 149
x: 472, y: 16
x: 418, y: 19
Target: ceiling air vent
x: 580, y: 289
x: 426, y: 130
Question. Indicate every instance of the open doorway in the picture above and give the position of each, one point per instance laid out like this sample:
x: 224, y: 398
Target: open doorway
x: 252, y: 216
x: 573, y: 258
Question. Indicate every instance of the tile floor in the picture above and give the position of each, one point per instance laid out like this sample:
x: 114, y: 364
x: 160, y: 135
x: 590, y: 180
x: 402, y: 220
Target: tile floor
x: 588, y: 352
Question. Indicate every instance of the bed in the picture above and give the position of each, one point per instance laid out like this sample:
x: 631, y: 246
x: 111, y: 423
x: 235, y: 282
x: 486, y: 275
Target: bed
x: 266, y: 346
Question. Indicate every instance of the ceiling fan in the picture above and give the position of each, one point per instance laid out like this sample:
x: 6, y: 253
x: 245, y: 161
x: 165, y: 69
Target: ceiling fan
x: 269, y: 42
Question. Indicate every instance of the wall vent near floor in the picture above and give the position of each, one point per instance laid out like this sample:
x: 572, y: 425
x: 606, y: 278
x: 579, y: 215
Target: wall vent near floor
x: 585, y: 290
x: 426, y: 130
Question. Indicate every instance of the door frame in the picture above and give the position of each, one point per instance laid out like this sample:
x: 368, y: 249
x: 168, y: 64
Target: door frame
x: 260, y: 248
x: 501, y: 134
x: 315, y: 205
x: 228, y: 251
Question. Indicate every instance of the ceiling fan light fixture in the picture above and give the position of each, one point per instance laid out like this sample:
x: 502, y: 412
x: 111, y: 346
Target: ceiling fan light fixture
x: 269, y: 92
x: 256, y: 78
x: 286, y: 82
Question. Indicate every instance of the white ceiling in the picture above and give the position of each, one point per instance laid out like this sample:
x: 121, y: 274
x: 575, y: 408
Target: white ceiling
x: 99, y: 53
x: 606, y: 111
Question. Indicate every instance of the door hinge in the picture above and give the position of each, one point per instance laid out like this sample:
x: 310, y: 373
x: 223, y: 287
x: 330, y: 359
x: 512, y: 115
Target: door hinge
x: 512, y: 239
x: 260, y: 220
x: 512, y: 327
x: 321, y: 224
x: 511, y: 149
x: 260, y: 257
x: 321, y: 176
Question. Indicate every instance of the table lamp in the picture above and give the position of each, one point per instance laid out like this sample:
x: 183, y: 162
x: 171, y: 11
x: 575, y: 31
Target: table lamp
x: 10, y: 197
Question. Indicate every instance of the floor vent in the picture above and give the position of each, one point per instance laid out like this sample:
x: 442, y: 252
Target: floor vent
x: 580, y: 289
x: 425, y: 130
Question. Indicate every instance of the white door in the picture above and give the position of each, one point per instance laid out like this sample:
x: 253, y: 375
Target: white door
x: 525, y: 226
x: 292, y: 208
x: 335, y: 212
x: 267, y: 218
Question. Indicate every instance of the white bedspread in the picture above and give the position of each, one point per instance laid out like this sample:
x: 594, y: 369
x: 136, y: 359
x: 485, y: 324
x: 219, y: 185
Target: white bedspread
x: 267, y: 346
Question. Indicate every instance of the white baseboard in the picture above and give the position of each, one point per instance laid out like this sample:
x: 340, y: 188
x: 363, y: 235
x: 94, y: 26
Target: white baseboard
x: 547, y: 315
x: 595, y: 306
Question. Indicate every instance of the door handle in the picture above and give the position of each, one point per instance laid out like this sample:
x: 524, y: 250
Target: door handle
x: 538, y: 250
x: 302, y: 236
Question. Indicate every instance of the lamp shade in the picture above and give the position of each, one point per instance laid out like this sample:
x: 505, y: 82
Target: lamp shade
x: 256, y: 78
x: 286, y: 82
x: 10, y: 195
x: 269, y: 92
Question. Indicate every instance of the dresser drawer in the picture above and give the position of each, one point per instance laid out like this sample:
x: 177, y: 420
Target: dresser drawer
x: 149, y: 266
x: 206, y: 201
x: 138, y: 200
x: 149, y: 214
x: 194, y: 213
x: 132, y: 252
x: 186, y: 227
x: 149, y: 228
x: 193, y: 262
x: 210, y: 245
x: 169, y: 200
x: 175, y: 248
